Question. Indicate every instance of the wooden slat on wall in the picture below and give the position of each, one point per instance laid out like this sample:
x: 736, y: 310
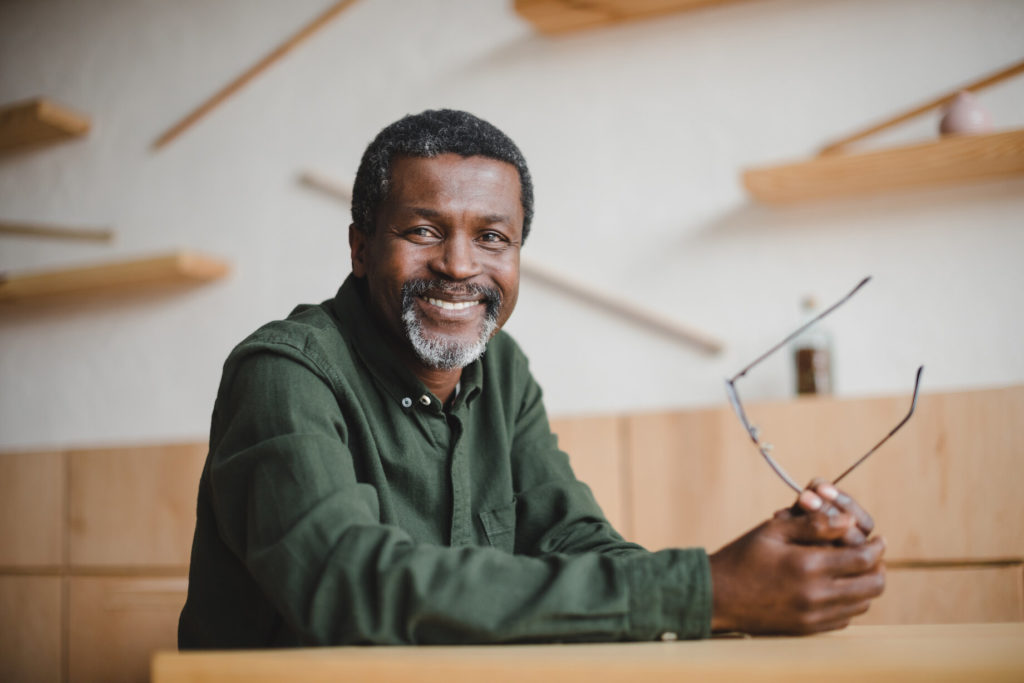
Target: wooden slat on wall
x: 30, y: 628
x: 949, y: 595
x: 943, y: 488
x: 117, y: 623
x: 133, y: 506
x: 596, y: 448
x: 31, y: 509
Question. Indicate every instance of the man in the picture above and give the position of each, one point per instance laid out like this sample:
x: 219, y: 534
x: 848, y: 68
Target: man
x: 381, y: 468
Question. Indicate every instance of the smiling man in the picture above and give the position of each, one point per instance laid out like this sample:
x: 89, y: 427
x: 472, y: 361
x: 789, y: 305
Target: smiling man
x: 381, y: 469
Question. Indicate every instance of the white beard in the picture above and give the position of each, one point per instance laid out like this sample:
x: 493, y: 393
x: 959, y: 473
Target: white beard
x: 441, y: 353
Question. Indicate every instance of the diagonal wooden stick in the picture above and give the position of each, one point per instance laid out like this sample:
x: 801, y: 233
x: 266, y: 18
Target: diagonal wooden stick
x: 235, y: 85
x: 985, y: 82
x: 622, y: 307
x: 56, y: 232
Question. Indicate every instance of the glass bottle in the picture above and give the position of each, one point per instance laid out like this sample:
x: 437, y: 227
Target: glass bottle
x: 812, y: 354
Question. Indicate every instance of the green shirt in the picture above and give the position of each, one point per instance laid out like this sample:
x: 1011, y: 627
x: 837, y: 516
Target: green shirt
x: 341, y: 503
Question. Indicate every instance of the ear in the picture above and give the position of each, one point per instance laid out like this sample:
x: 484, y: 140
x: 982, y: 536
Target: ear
x: 357, y: 245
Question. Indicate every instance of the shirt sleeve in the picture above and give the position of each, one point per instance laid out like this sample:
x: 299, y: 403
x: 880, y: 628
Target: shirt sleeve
x: 289, y: 505
x: 557, y: 513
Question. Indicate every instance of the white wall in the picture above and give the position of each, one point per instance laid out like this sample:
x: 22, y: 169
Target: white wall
x: 635, y: 134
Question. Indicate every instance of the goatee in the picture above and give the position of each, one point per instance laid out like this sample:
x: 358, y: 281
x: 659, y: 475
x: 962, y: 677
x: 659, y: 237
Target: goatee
x: 439, y: 352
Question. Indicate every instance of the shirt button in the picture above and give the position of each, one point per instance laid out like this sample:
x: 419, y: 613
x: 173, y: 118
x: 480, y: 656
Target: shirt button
x: 425, y: 400
x: 406, y: 402
x: 669, y: 636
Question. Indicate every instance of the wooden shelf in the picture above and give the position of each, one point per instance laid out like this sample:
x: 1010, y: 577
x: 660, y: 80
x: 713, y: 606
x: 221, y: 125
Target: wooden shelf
x: 949, y: 160
x: 176, y: 269
x: 38, y: 121
x: 560, y: 16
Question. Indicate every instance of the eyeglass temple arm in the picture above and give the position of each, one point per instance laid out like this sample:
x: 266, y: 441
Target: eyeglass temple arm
x: 913, y: 405
x: 801, y: 329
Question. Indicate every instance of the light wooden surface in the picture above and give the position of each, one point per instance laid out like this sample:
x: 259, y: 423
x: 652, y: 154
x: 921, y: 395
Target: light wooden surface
x: 31, y: 509
x: 30, y: 628
x: 970, y: 652
x: 176, y: 269
x: 560, y: 16
x: 133, y: 507
x: 941, y: 489
x: 952, y: 159
x: 117, y: 622
x: 597, y: 451
x: 949, y: 595
x: 38, y: 121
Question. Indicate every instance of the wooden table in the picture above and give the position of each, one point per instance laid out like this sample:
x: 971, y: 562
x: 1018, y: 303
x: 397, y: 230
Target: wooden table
x: 960, y: 652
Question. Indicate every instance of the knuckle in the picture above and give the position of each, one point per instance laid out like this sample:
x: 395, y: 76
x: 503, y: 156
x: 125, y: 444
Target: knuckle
x: 866, y: 557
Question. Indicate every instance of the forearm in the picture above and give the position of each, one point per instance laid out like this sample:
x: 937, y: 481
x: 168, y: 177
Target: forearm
x: 373, y: 585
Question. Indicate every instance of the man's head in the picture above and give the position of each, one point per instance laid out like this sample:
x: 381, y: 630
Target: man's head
x: 440, y: 211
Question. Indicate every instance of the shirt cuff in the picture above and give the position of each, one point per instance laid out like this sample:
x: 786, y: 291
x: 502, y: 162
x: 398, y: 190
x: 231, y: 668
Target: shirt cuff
x: 670, y: 595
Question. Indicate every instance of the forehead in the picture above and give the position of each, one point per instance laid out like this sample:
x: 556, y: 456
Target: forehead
x: 456, y: 183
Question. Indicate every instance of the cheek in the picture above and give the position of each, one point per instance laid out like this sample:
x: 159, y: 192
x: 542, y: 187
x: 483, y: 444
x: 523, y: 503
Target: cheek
x: 510, y: 292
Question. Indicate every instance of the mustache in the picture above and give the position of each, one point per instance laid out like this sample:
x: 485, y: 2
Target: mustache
x: 412, y: 289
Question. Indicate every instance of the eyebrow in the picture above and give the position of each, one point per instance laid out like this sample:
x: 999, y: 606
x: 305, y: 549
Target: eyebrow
x: 424, y: 212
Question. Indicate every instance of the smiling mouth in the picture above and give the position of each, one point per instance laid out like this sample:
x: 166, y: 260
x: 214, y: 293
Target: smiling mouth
x: 451, y: 305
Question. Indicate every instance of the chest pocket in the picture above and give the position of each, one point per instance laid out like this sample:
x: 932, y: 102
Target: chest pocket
x: 500, y: 526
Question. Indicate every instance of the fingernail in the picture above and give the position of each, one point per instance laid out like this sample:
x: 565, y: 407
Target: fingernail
x: 828, y: 491
x: 843, y: 499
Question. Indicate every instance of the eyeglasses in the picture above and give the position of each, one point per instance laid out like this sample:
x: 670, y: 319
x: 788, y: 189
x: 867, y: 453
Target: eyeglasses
x: 766, y: 448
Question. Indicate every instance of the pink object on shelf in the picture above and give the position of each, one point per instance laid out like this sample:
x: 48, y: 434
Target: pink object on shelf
x: 964, y: 116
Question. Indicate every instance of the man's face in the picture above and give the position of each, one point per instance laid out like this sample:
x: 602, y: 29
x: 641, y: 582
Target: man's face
x: 442, y: 265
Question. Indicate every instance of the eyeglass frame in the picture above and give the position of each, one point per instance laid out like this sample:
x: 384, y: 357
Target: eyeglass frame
x: 752, y: 431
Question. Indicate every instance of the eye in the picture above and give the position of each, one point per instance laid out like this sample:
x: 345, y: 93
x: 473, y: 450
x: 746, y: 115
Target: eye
x: 493, y: 240
x: 422, y: 234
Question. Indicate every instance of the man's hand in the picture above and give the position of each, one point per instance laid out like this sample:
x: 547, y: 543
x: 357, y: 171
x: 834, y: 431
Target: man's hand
x: 808, y: 569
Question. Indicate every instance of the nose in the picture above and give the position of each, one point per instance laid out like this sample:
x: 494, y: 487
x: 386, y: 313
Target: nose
x: 457, y: 259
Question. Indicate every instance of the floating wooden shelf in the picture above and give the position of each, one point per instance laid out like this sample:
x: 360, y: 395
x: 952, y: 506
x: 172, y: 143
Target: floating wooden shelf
x: 38, y: 121
x: 176, y: 269
x: 559, y: 16
x: 949, y: 160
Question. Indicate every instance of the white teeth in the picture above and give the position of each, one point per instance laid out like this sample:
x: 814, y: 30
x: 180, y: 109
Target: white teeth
x: 451, y: 305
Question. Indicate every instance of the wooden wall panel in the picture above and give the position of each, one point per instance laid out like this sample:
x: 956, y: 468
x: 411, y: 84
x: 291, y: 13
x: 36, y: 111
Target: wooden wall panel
x: 133, y: 506
x: 693, y: 481
x: 31, y: 509
x: 596, y: 448
x: 944, y: 488
x: 949, y: 595
x: 118, y: 623
x: 30, y: 628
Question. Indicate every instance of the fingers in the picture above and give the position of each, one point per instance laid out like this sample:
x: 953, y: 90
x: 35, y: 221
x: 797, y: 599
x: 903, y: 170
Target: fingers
x: 821, y: 497
x: 845, y: 503
x: 853, y: 561
x: 826, y: 525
